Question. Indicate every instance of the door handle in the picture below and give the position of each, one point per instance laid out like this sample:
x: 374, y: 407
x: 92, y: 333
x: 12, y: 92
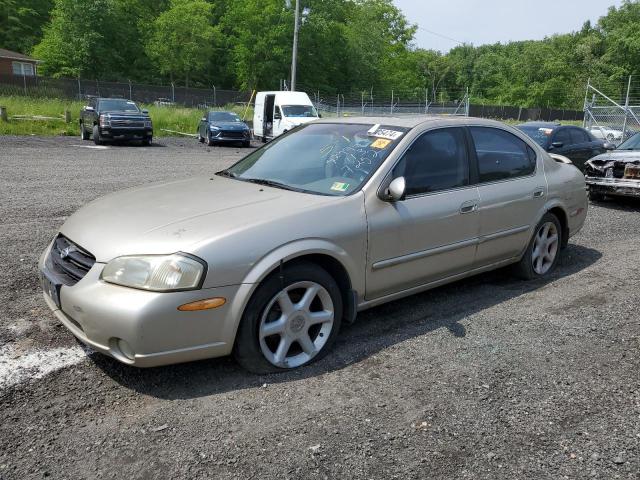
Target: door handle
x: 539, y: 193
x: 468, y: 207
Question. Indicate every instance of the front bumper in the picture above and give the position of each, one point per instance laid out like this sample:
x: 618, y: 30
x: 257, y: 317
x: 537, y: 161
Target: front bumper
x: 126, y: 133
x: 99, y: 314
x: 225, y: 136
x: 614, y: 186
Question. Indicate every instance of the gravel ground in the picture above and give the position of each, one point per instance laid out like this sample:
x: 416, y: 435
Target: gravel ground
x: 482, y: 379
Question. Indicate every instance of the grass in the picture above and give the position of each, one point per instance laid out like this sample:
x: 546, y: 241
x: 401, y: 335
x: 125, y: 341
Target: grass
x: 178, y: 119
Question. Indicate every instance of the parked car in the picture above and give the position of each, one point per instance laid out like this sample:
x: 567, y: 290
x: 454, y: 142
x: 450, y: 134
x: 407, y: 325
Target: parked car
x: 615, y: 173
x: 223, y: 127
x: 276, y: 113
x: 267, y: 258
x: 574, y: 143
x: 115, y: 119
x: 606, y: 133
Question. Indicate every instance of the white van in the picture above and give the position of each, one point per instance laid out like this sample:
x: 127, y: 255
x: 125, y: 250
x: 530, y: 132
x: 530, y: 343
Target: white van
x: 278, y: 112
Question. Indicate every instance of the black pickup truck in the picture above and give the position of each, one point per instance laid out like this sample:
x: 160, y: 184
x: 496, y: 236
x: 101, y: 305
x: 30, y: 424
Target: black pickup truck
x: 115, y: 119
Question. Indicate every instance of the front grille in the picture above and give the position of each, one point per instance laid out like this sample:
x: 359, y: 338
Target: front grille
x: 231, y: 134
x: 127, y: 123
x: 69, y: 261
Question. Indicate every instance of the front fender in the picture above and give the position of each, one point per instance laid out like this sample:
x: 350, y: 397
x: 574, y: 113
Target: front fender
x: 300, y: 248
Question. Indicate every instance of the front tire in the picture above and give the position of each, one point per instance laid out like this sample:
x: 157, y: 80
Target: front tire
x: 543, y: 252
x: 595, y: 196
x: 147, y: 141
x: 210, y: 140
x: 96, y: 135
x: 292, y: 320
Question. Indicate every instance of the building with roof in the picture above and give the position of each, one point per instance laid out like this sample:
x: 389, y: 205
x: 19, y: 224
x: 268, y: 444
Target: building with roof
x: 14, y: 63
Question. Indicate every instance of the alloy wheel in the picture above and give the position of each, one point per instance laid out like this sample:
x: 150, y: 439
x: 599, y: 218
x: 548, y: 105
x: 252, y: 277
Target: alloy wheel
x: 296, y: 324
x: 545, y: 248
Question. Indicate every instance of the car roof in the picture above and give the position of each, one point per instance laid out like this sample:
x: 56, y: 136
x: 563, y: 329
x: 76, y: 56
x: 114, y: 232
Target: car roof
x: 541, y: 125
x: 412, y: 121
x: 114, y: 98
x: 222, y: 111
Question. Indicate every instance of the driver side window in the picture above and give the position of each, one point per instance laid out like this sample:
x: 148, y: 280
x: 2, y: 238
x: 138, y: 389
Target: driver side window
x: 436, y: 161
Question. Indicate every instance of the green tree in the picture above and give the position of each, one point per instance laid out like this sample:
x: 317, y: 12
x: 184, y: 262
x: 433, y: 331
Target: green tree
x: 21, y: 23
x: 81, y: 41
x: 183, y: 41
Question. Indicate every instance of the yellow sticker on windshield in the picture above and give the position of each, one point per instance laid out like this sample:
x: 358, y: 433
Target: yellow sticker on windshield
x: 381, y: 143
x: 340, y: 187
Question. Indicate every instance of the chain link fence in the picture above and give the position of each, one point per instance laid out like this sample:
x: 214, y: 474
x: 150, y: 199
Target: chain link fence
x: 77, y: 89
x: 612, y: 110
x: 361, y: 103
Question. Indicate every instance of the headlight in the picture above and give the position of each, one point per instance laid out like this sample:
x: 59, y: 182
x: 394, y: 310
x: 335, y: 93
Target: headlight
x: 147, y: 124
x: 158, y: 273
x: 213, y: 127
x: 105, y: 120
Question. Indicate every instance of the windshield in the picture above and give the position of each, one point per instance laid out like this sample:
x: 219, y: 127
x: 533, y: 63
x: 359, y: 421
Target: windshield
x: 323, y: 158
x: 118, y: 106
x: 539, y: 134
x: 223, y: 117
x: 632, y: 144
x: 299, y: 111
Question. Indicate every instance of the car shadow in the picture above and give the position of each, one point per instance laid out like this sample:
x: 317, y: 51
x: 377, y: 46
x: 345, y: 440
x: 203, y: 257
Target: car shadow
x: 375, y: 330
x: 625, y: 204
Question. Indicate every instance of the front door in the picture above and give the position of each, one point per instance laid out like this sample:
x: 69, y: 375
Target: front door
x: 512, y: 189
x: 433, y: 232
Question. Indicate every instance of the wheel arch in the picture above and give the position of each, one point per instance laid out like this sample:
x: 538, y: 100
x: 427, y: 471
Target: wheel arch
x: 323, y: 253
x: 562, y: 217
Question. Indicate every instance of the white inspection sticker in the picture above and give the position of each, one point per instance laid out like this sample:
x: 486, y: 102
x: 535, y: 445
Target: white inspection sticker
x: 378, y: 132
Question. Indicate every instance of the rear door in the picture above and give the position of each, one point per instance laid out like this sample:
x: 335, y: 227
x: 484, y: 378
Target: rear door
x: 562, y: 143
x: 512, y: 189
x: 582, y: 147
x: 433, y: 232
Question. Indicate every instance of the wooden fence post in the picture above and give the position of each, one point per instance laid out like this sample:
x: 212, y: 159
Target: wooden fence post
x: 67, y: 116
x: 3, y: 114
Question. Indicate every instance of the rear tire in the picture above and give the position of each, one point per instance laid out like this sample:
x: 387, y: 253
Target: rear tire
x: 83, y: 133
x: 543, y: 252
x: 303, y: 305
x: 96, y: 135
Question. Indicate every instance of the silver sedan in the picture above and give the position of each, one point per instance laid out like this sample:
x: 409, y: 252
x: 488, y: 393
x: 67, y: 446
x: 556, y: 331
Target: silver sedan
x: 266, y: 259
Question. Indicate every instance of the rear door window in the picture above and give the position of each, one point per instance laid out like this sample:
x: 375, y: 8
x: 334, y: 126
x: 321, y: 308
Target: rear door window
x: 501, y: 155
x: 564, y: 136
x: 579, y: 136
x: 437, y: 160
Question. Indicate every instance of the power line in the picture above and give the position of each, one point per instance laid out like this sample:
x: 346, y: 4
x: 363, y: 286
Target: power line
x: 441, y: 35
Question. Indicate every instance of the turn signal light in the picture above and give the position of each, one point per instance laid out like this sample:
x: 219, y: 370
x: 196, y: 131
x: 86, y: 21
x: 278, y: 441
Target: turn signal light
x: 206, y: 304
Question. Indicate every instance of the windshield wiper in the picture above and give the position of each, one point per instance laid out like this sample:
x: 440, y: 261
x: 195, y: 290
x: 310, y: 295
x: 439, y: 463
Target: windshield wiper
x: 270, y: 183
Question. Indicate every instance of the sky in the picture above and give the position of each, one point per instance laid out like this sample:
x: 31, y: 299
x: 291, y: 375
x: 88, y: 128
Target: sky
x: 489, y: 21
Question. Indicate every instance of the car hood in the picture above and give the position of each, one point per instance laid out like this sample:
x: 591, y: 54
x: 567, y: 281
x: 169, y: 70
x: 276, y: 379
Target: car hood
x: 230, y: 125
x: 300, y: 120
x: 177, y: 216
x: 618, y: 156
x: 125, y: 114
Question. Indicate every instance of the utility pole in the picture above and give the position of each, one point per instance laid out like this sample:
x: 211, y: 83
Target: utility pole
x: 294, y: 57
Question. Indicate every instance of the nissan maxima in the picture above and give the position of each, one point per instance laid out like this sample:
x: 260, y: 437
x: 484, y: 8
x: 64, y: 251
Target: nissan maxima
x: 266, y: 259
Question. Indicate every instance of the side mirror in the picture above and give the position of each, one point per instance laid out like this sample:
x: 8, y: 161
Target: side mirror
x: 146, y: 112
x: 277, y: 116
x: 203, y: 119
x: 89, y: 109
x: 395, y: 191
x: 557, y: 144
x: 609, y: 146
